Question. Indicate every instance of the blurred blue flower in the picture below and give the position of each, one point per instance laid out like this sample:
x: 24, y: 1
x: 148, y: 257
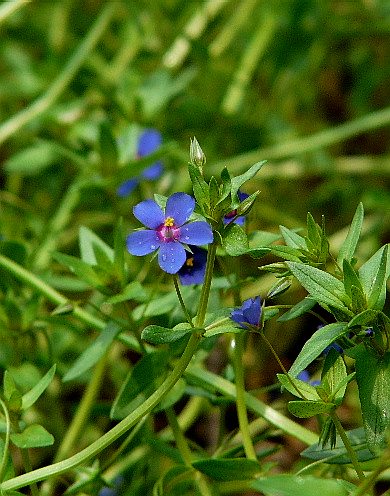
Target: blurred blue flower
x: 149, y: 141
x: 248, y: 313
x: 117, y: 485
x: 305, y: 377
x: 229, y: 217
x: 194, y: 268
x: 168, y: 231
x: 333, y: 346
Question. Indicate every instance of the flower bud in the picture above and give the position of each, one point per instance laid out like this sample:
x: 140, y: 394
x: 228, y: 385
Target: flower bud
x: 197, y: 157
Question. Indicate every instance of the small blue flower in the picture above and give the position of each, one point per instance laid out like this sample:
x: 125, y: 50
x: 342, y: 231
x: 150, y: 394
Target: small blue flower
x: 230, y: 216
x: 305, y: 377
x: 168, y: 231
x: 194, y: 268
x: 149, y: 141
x: 249, y: 314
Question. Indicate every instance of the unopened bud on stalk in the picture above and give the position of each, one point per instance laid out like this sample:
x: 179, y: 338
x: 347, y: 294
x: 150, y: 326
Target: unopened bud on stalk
x: 197, y: 157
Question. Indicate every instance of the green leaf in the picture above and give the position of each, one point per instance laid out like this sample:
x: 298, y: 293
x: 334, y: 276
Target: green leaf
x: 292, y: 239
x: 9, y: 385
x: 339, y: 454
x: 350, y: 278
x: 286, y: 252
x: 308, y: 391
x: 94, y: 352
x: 33, y: 436
x: 373, y: 275
x: 238, y: 181
x: 333, y: 377
x: 33, y: 160
x: 234, y: 240
x: 28, y: 399
x: 108, y: 148
x: 373, y: 379
x: 200, y: 188
x: 155, y: 334
x: 83, y: 270
x: 322, y: 338
x: 142, y: 380
x: 294, y: 485
x: 306, y: 409
x: 173, y: 396
x: 348, y: 247
x: 88, y: 240
x: 297, y: 310
x: 364, y: 318
x: 228, y: 469
x: 133, y: 291
x: 323, y: 287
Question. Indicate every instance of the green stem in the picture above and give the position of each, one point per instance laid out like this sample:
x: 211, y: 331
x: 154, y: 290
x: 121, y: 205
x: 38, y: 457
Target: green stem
x: 116, y: 432
x: 306, y: 144
x: 238, y: 343
x: 204, y: 297
x: 180, y: 297
x: 40, y: 105
x: 6, y: 441
x: 180, y: 439
x: 348, y: 446
x: 255, y: 405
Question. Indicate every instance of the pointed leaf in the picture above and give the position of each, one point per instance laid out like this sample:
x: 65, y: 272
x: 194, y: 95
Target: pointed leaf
x: 88, y: 240
x: 292, y: 239
x: 322, y: 338
x: 307, y: 390
x: 33, y: 436
x: 294, y: 485
x: 94, y: 352
x: 31, y: 397
x: 155, y: 334
x: 307, y: 409
x: 238, y: 181
x: 297, y: 310
x: 234, y: 240
x: 348, y: 247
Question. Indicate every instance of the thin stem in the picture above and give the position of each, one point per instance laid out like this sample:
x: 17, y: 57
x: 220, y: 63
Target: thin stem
x: 265, y: 339
x: 348, y: 446
x: 116, y: 432
x: 180, y: 297
x: 181, y: 441
x: 204, y: 296
x: 6, y: 441
x: 238, y: 344
x: 40, y: 105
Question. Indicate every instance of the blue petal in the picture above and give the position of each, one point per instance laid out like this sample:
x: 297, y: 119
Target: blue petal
x: 194, y: 274
x: 149, y: 213
x: 237, y: 316
x: 196, y: 233
x: 171, y: 257
x: 149, y: 141
x: 127, y: 187
x: 252, y: 311
x: 142, y: 242
x: 304, y: 376
x: 180, y: 206
x: 153, y: 172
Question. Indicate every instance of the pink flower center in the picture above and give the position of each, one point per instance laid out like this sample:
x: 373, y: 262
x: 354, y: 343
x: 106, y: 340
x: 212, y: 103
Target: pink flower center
x: 168, y: 231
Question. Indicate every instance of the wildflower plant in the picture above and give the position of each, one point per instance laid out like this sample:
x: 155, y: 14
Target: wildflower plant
x: 171, y: 315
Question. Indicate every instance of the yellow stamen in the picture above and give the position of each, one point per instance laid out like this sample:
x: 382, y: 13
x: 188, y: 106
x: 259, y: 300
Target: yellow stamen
x: 190, y: 262
x: 169, y: 222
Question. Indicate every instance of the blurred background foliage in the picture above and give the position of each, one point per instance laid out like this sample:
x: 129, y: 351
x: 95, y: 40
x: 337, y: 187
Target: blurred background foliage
x: 304, y: 84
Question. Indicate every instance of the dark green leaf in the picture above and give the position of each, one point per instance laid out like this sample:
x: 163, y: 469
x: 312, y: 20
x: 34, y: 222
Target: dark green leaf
x: 348, y: 247
x: 200, y: 188
x: 94, y: 352
x: 373, y: 379
x: 33, y: 436
x: 373, y: 276
x: 333, y: 377
x: 364, y: 318
x: 322, y: 338
x: 323, y: 287
x: 227, y: 469
x: 297, y: 310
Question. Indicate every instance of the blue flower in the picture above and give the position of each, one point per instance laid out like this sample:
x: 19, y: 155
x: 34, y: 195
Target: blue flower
x: 249, y: 314
x: 168, y: 231
x: 149, y: 141
x: 305, y: 377
x: 194, y: 268
x: 230, y: 216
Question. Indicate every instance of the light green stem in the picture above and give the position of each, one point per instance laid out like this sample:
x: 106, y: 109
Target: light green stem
x: 40, y: 105
x: 204, y: 297
x: 306, y: 144
x: 9, y: 8
x: 4, y: 457
x: 116, y: 432
x: 238, y: 352
x: 255, y: 405
x: 348, y: 446
x: 180, y: 298
x: 180, y: 440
